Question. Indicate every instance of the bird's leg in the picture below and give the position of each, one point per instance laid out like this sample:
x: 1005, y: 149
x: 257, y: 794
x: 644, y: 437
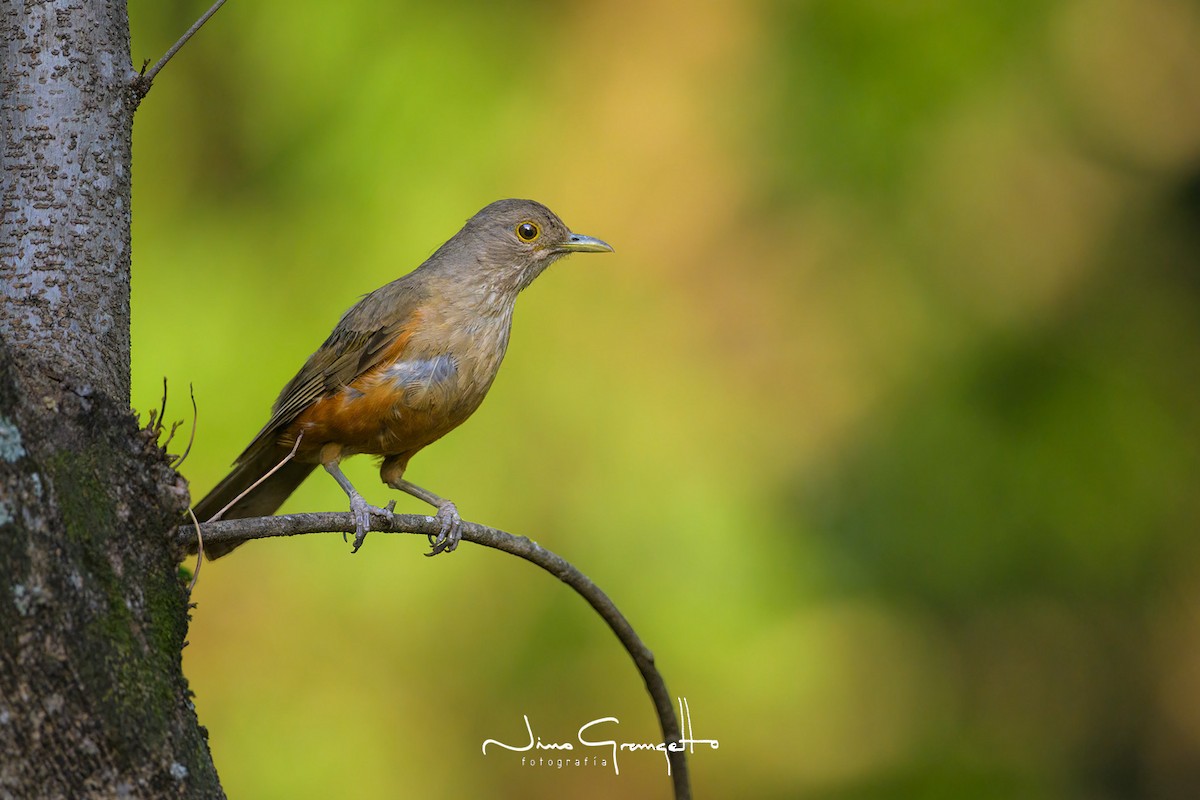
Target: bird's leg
x: 359, y: 507
x: 447, y: 514
x: 391, y: 471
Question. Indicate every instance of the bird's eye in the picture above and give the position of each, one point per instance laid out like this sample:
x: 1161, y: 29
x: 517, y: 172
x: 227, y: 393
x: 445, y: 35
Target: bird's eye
x: 528, y: 231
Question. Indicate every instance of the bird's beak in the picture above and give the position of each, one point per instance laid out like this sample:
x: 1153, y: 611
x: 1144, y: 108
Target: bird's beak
x: 578, y: 243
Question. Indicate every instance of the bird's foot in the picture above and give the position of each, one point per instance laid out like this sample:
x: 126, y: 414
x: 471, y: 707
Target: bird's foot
x: 451, y: 532
x: 362, y: 511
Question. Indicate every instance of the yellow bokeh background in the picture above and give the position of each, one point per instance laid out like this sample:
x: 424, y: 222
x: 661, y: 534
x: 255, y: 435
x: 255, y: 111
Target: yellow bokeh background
x: 880, y: 425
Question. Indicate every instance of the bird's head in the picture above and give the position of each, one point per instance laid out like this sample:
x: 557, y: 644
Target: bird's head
x: 510, y: 242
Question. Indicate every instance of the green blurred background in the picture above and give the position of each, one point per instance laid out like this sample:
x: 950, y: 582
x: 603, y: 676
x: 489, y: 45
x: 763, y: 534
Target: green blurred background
x: 881, y: 425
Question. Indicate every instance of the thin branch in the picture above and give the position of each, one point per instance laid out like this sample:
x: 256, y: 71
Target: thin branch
x: 146, y: 78
x: 162, y: 414
x: 268, y: 474
x: 199, y: 551
x: 177, y: 462
x: 241, y: 530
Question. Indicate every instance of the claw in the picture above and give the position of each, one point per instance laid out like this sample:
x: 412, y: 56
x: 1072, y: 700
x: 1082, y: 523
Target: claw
x: 362, y: 511
x: 451, y: 531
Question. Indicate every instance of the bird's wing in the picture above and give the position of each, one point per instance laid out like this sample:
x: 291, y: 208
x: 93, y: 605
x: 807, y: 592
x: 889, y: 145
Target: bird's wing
x: 361, y: 339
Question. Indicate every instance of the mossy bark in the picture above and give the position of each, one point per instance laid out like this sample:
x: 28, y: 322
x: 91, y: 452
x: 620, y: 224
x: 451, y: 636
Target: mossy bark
x: 93, y: 613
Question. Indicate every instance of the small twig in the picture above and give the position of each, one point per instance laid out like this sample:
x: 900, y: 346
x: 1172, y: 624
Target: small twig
x: 199, y: 551
x: 171, y: 434
x: 178, y: 460
x: 162, y: 414
x: 254, y: 485
x: 147, y: 78
x: 242, y: 530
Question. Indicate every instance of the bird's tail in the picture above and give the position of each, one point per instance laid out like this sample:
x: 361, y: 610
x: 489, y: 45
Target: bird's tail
x: 263, y: 500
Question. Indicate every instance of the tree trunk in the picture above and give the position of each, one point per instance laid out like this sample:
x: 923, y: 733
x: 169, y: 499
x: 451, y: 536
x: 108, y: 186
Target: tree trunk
x: 93, y: 615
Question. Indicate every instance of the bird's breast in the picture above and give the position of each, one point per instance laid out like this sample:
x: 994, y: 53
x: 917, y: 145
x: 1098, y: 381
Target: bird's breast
x: 412, y: 397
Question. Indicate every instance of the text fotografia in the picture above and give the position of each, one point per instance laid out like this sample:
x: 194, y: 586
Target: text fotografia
x: 590, y: 735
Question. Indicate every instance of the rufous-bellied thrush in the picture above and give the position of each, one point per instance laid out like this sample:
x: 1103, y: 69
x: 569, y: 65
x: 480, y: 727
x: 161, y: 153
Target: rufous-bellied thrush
x: 406, y: 365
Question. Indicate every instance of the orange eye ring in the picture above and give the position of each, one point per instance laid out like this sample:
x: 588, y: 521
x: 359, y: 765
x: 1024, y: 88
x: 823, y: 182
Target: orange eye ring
x: 528, y: 231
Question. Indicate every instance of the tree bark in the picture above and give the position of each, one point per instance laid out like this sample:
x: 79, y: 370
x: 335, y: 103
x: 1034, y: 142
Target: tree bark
x: 67, y: 120
x: 93, y: 614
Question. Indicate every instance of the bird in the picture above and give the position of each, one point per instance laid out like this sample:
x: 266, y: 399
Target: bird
x: 403, y: 367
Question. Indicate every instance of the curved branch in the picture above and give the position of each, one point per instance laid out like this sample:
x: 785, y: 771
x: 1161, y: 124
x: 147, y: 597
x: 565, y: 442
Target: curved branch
x: 240, y: 530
